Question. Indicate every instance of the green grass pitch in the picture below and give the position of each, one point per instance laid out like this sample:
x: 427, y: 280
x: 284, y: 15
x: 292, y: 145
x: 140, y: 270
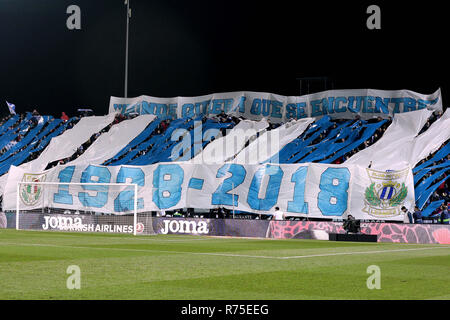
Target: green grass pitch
x: 33, y: 265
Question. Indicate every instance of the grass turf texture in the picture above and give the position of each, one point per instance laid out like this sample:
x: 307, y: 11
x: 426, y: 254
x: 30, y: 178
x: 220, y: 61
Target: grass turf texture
x: 33, y: 266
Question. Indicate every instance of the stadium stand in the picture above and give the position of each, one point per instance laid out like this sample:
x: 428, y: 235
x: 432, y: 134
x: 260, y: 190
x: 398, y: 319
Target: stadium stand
x: 28, y: 140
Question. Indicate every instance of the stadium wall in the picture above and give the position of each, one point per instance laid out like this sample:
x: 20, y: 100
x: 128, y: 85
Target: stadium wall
x: 386, y: 232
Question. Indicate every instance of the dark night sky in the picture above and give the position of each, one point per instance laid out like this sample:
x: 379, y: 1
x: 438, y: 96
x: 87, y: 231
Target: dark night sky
x: 190, y: 48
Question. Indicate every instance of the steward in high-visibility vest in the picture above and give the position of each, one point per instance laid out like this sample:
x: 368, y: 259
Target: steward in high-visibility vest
x: 177, y: 214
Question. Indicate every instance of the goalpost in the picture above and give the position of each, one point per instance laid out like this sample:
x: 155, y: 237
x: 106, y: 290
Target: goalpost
x: 81, y: 207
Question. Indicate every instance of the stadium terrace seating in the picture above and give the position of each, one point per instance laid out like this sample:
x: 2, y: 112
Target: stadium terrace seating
x: 368, y: 131
x: 130, y: 148
x: 432, y: 207
x: 30, y: 134
x: 11, y: 133
x: 296, y: 149
x: 149, y: 148
x: 325, y: 140
x: 438, y: 156
x: 10, y: 122
x: 34, y: 138
x: 430, y: 175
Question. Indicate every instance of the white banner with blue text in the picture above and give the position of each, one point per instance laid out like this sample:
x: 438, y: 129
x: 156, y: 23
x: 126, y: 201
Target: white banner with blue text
x: 304, y: 190
x: 367, y: 103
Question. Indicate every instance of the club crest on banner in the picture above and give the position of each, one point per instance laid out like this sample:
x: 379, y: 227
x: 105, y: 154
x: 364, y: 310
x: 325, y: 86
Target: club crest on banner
x: 31, y: 193
x: 386, y: 193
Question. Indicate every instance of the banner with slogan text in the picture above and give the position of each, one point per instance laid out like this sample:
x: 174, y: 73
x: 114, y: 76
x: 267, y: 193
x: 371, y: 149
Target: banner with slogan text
x: 367, y: 103
x: 304, y: 190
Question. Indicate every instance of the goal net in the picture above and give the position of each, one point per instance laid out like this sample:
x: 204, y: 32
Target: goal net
x: 81, y: 207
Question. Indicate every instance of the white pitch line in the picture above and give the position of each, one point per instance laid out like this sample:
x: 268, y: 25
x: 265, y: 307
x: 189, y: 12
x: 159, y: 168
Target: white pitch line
x: 166, y: 240
x: 360, y: 252
x: 139, y: 250
x: 130, y: 238
x: 225, y: 254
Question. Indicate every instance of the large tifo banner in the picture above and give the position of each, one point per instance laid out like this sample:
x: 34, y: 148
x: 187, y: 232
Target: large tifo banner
x: 307, y: 190
x: 367, y: 103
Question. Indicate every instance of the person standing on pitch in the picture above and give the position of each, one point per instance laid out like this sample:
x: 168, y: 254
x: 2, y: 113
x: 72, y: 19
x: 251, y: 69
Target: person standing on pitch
x: 278, y: 214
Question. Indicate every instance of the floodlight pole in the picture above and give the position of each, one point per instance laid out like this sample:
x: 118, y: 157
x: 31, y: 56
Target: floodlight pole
x: 127, y: 3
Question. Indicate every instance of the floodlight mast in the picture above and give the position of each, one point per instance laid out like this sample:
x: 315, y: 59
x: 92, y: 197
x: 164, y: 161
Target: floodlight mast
x: 127, y: 3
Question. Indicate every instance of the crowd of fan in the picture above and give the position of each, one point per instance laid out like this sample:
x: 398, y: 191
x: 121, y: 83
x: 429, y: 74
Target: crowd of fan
x: 442, y: 193
x: 434, y: 116
x: 357, y: 123
x: 374, y: 138
x: 80, y: 150
x: 20, y: 133
x: 162, y: 127
x: 159, y: 130
x: 32, y: 123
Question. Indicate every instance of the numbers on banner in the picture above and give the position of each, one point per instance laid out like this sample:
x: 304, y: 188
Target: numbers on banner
x: 125, y: 200
x: 332, y: 199
x: 298, y: 203
x: 63, y: 196
x: 333, y: 195
x: 103, y: 176
x: 167, y: 180
x: 275, y: 174
x: 221, y: 195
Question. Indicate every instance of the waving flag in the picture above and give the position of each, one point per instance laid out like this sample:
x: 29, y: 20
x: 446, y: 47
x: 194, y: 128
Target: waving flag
x: 12, y: 107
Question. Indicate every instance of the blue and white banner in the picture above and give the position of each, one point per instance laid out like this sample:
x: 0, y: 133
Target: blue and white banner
x: 308, y: 190
x: 401, y: 145
x: 367, y: 103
